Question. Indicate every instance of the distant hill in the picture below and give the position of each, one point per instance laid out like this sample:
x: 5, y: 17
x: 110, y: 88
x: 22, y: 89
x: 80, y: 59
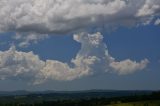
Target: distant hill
x: 79, y: 98
x: 76, y: 94
x: 14, y: 93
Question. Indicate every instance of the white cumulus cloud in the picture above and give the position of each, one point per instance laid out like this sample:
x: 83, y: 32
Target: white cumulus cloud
x: 157, y: 22
x: 93, y: 57
x: 128, y: 66
x: 34, y: 20
x: 62, y: 16
x: 149, y: 8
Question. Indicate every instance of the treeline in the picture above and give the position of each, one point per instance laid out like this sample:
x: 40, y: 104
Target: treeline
x: 79, y: 102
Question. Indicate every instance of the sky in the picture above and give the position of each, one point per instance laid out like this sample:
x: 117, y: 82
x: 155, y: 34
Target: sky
x: 79, y: 44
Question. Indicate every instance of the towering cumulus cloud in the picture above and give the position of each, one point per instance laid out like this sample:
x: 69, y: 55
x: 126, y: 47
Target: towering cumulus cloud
x: 92, y: 58
x: 34, y: 20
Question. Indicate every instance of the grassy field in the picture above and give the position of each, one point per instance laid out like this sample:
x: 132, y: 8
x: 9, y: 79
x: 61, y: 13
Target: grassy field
x: 141, y: 103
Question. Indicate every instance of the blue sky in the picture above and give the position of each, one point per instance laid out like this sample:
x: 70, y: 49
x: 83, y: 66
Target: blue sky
x: 135, y: 43
x: 79, y: 44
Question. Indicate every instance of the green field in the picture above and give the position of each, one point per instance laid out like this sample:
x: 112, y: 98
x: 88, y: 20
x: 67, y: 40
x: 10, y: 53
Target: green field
x: 141, y: 103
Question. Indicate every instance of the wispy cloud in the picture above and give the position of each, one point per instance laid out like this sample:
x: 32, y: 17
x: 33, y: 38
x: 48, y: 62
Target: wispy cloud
x: 25, y: 39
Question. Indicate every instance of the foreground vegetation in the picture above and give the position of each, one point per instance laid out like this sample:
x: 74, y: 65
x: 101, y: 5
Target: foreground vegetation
x: 152, y: 99
x: 139, y: 103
